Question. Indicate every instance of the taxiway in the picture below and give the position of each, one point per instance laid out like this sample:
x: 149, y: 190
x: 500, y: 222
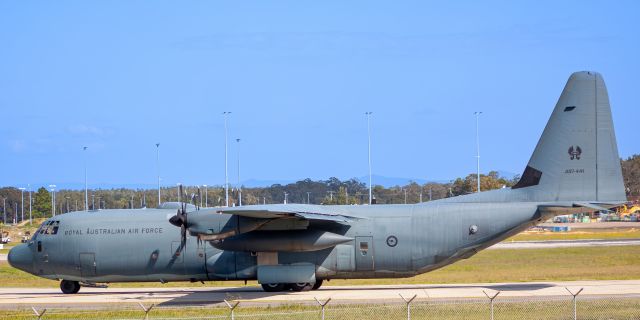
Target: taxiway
x: 11, y: 298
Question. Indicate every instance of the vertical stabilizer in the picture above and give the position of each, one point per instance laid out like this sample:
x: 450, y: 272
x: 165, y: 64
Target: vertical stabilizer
x: 576, y: 159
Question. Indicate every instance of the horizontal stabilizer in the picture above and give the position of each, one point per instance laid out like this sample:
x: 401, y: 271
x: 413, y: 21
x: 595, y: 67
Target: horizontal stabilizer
x: 560, y: 208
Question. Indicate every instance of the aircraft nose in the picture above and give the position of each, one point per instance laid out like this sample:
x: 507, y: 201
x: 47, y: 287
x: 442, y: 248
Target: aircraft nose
x: 21, y: 257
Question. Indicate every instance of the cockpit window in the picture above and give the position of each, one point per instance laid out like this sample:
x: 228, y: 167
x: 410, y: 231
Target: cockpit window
x: 50, y: 227
x: 55, y: 226
x: 35, y: 234
x: 43, y: 227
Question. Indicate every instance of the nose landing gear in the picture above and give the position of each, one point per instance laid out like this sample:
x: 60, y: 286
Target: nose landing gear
x: 69, y: 287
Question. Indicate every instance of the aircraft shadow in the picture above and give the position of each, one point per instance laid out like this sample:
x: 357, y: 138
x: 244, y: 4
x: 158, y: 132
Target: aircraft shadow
x: 215, y: 295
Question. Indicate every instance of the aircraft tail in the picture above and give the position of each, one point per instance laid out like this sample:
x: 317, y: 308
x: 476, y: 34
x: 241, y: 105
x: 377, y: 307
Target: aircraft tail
x: 576, y: 158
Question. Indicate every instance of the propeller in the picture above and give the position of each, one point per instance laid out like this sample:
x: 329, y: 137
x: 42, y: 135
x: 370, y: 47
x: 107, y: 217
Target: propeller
x: 180, y: 219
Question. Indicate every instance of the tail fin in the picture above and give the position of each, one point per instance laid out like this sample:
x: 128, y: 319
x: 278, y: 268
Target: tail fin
x: 577, y: 158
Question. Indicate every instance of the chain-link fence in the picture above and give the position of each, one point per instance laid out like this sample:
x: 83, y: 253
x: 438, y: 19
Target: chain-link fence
x: 492, y: 307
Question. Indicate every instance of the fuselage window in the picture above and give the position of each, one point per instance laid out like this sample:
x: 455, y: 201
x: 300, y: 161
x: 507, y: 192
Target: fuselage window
x: 364, y: 248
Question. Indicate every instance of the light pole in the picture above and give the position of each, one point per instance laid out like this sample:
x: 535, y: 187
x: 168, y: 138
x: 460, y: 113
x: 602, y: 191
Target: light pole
x: 226, y: 151
x: 21, y: 204
x: 285, y: 197
x: 368, y: 113
x: 478, y: 113
x: 86, y: 189
x: 30, y: 204
x: 53, y: 199
x: 93, y: 202
x: 308, y: 194
x: 158, y: 170
x: 206, y: 196
x: 239, y: 187
x: 67, y: 198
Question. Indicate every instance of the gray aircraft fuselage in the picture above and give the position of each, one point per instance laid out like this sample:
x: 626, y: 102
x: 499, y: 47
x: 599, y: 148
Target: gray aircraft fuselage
x: 390, y: 241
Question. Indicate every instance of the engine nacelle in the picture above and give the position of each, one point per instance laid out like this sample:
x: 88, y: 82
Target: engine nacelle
x: 281, y: 241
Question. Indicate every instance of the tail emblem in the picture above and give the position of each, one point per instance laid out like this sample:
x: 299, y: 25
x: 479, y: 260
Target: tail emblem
x: 574, y: 153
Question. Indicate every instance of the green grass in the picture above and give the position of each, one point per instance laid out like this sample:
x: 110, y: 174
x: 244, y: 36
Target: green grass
x: 608, y: 308
x: 508, y: 265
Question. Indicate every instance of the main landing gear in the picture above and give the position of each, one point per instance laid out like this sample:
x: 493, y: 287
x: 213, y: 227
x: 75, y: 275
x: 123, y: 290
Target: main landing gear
x: 305, y: 286
x: 69, y: 287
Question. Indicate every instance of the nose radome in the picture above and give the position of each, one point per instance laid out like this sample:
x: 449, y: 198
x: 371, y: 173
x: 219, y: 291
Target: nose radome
x: 21, y: 257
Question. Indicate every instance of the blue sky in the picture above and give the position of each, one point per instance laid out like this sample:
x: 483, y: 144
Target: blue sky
x: 119, y: 76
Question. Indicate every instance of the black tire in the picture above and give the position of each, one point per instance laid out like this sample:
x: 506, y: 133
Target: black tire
x: 304, y: 286
x: 317, y: 285
x: 69, y: 287
x: 273, y: 287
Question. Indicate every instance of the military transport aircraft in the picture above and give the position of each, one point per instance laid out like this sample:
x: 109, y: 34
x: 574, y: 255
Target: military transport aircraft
x: 574, y: 167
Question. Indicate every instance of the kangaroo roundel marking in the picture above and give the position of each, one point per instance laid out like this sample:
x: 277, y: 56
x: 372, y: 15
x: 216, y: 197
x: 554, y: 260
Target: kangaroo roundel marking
x: 575, y: 152
x: 392, y: 241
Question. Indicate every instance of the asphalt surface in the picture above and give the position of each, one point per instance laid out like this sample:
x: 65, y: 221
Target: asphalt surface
x: 15, y: 298
x: 564, y: 243
x: 594, y: 225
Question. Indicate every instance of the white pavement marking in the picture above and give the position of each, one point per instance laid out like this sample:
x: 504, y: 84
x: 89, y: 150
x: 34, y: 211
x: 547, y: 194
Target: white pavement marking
x: 15, y: 297
x: 564, y: 243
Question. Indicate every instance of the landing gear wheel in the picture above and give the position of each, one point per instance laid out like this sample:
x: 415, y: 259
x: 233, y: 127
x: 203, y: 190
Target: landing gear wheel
x: 303, y: 286
x: 69, y: 287
x: 273, y: 287
x: 317, y: 285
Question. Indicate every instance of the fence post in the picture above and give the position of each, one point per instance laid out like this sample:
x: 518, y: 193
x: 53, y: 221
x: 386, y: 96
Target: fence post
x: 408, y: 302
x: 491, y: 300
x: 322, y: 305
x: 38, y: 314
x: 232, y: 307
x: 146, y: 310
x: 575, y: 311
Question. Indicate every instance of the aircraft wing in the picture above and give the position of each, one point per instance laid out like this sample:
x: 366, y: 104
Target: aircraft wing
x: 300, y: 211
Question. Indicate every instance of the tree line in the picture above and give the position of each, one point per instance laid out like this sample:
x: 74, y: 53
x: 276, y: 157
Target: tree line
x: 331, y: 191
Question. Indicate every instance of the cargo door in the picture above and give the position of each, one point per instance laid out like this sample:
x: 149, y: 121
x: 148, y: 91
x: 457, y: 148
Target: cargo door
x: 364, y: 254
x: 87, y: 264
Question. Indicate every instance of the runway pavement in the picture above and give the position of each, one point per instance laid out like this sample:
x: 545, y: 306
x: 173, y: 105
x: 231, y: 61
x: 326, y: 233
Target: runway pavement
x: 11, y: 298
x: 564, y: 243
